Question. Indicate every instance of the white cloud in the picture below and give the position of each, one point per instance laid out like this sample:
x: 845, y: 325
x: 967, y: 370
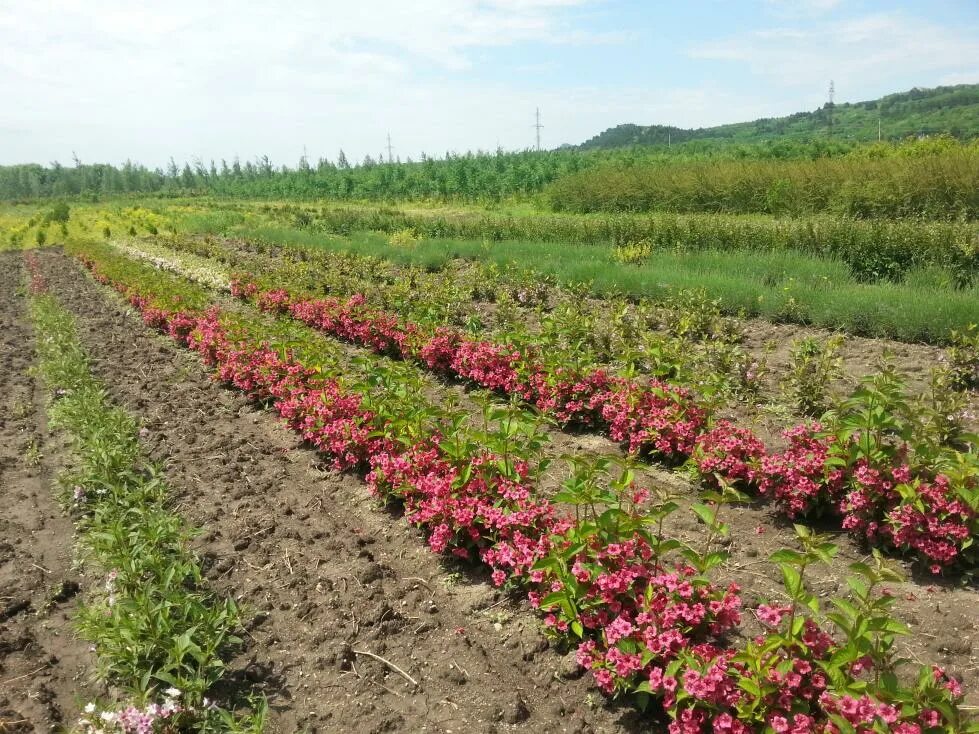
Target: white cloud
x: 136, y: 70
x: 861, y: 52
x: 222, y: 78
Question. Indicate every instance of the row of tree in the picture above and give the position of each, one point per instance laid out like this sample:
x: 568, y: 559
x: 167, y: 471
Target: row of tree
x: 467, y: 177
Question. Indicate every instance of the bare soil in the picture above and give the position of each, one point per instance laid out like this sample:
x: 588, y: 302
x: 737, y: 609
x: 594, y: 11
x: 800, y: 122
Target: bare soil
x: 44, y: 668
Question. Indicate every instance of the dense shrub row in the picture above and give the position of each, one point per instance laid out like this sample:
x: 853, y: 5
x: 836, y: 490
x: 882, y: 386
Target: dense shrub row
x: 877, y: 250
x: 943, y: 185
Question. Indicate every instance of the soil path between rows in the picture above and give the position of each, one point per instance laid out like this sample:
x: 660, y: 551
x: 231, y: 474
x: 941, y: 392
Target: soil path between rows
x: 45, y: 670
x: 322, y: 571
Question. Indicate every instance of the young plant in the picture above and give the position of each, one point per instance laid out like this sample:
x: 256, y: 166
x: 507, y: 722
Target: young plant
x: 813, y: 365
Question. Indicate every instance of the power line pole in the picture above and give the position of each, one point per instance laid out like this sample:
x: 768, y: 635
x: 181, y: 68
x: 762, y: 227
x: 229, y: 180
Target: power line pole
x: 538, y: 126
x: 830, y: 106
x: 390, y: 157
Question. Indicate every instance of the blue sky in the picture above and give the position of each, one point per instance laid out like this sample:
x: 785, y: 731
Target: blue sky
x: 124, y: 79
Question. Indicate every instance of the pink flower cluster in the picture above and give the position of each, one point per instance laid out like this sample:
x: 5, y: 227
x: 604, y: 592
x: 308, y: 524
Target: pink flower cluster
x: 38, y: 284
x: 729, y: 451
x: 656, y: 417
x: 800, y: 478
x: 646, y: 625
x: 134, y: 720
x: 808, y: 478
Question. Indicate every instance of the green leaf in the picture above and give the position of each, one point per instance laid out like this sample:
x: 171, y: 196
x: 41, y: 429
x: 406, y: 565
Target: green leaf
x: 792, y: 579
x: 786, y: 555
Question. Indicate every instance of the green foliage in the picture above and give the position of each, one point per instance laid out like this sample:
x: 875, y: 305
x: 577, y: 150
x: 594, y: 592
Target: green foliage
x: 813, y: 365
x: 406, y: 237
x: 780, y: 283
x: 872, y: 251
x: 496, y: 176
x: 60, y: 212
x: 153, y: 624
x: 963, y: 357
x: 952, y: 109
x: 936, y: 184
x: 633, y: 252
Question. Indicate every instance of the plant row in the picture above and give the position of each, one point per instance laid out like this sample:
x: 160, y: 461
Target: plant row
x: 866, y: 462
x: 852, y: 478
x: 942, y: 185
x: 873, y: 251
x: 159, y: 635
x: 645, y: 615
x: 685, y: 338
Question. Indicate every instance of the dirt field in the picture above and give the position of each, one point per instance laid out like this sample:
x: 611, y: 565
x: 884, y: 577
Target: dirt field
x: 324, y: 575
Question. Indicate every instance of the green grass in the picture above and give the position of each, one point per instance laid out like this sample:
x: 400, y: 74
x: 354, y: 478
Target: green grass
x: 779, y: 286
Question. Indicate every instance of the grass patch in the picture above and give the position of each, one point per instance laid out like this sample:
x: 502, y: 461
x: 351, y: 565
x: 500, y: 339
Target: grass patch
x: 783, y: 286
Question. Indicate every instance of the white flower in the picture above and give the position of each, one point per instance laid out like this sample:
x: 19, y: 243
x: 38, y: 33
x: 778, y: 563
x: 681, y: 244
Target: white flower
x: 172, y: 692
x: 90, y: 708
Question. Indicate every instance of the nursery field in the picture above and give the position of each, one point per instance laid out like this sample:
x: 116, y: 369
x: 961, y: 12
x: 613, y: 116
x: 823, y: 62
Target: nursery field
x: 275, y: 467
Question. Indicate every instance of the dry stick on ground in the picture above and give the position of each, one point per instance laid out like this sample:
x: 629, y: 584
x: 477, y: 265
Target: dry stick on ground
x: 38, y: 670
x: 388, y: 663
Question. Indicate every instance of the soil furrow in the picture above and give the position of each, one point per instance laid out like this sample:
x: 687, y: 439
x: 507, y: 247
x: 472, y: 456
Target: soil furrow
x: 45, y: 670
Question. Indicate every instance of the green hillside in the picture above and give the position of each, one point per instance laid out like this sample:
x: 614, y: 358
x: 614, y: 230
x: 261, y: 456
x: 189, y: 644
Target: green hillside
x: 952, y: 110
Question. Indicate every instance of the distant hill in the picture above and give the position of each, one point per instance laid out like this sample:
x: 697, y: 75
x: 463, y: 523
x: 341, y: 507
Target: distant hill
x: 952, y: 110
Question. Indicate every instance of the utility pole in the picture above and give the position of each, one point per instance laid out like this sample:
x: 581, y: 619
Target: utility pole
x: 538, y: 126
x: 390, y: 157
x: 830, y: 106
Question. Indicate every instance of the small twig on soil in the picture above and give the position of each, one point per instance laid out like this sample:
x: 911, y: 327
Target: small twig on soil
x: 257, y: 532
x: 388, y: 663
x: 420, y: 580
x: 40, y: 568
x: 28, y: 675
x: 377, y: 683
x: 493, y: 606
x: 286, y: 558
x: 460, y: 669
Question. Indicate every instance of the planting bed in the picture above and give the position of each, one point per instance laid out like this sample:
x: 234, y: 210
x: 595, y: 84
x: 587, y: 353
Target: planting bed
x: 319, y: 569
x: 43, y: 667
x: 328, y: 580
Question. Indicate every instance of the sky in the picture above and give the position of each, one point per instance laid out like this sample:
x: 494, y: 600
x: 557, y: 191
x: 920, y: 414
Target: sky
x: 110, y: 80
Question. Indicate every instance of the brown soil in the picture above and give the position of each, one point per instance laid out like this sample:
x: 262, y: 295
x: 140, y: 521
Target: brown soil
x: 321, y: 567
x: 44, y: 668
x: 323, y: 571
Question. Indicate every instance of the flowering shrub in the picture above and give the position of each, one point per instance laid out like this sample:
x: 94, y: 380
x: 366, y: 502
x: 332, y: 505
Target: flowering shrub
x: 730, y: 452
x: 153, y: 717
x: 802, y: 478
x: 646, y: 618
x: 822, y: 472
x: 38, y: 284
